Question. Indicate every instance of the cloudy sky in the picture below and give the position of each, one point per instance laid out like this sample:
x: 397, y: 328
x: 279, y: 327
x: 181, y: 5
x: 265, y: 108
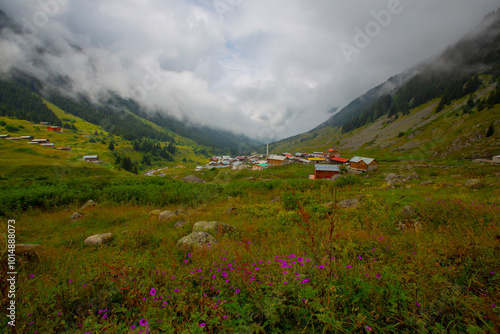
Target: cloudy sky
x: 263, y: 68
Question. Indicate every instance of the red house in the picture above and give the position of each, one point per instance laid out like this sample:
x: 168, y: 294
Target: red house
x: 325, y: 171
x: 339, y: 160
x: 54, y: 128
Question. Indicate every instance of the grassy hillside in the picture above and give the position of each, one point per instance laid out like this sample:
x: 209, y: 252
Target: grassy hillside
x: 454, y: 133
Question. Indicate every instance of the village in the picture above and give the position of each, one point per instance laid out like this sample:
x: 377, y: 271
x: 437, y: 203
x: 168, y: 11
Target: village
x: 326, y: 164
x: 46, y: 143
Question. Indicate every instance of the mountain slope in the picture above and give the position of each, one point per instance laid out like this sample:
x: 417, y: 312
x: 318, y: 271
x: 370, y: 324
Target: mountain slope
x: 460, y: 81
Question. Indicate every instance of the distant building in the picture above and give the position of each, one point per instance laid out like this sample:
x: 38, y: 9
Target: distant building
x: 339, y: 161
x: 239, y: 166
x: 316, y: 160
x: 45, y: 123
x: 49, y: 145
x: 26, y: 137
x: 275, y: 160
x: 40, y: 141
x: 54, y: 128
x: 260, y: 167
x: 363, y: 164
x: 4, y: 136
x: 91, y: 158
x: 64, y: 148
x: 325, y: 171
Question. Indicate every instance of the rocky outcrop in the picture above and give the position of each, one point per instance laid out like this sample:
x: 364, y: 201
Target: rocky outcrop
x: 214, y: 228
x: 180, y: 223
x: 348, y: 203
x: 98, y: 239
x: 474, y: 184
x: 22, y: 249
x: 90, y: 204
x: 76, y: 216
x: 196, y: 239
x: 166, y: 215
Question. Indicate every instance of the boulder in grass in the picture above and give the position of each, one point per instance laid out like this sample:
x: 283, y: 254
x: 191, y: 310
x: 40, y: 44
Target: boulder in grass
x: 77, y: 215
x: 98, y: 239
x: 348, y: 203
x: 406, y: 212
x: 90, y: 204
x: 474, y: 184
x: 196, y: 239
x: 166, y: 215
x: 155, y: 213
x: 427, y: 183
x: 214, y: 228
x: 179, y: 224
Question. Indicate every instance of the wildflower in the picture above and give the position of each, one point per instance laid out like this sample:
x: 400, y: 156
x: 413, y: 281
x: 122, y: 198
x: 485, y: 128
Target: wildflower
x: 214, y: 276
x: 224, y: 274
x: 321, y: 266
x: 143, y: 322
x: 202, y: 324
x: 152, y: 292
x: 189, y: 254
x: 284, y: 282
x: 105, y: 316
x: 176, y: 290
x: 285, y: 272
x: 299, y: 259
x: 368, y: 328
x: 237, y: 291
x: 418, y: 305
x: 291, y: 256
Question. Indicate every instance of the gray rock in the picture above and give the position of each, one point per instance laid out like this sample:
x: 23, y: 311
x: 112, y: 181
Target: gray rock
x: 473, y: 184
x: 231, y: 210
x: 336, y: 177
x: 348, y: 203
x: 166, y: 215
x: 179, y: 212
x: 179, y: 224
x: 77, y: 215
x: 155, y: 213
x: 124, y: 231
x: 427, y: 183
x: 193, y: 179
x: 98, y: 239
x: 214, y: 228
x: 406, y: 211
x: 391, y: 177
x: 196, y: 239
x: 276, y: 199
x: 90, y: 204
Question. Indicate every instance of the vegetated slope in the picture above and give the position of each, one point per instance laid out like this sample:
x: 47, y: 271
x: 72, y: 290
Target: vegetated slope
x: 471, y: 66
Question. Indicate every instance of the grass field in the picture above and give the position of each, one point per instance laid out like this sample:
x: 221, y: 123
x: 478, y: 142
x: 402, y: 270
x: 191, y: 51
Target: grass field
x: 296, y: 266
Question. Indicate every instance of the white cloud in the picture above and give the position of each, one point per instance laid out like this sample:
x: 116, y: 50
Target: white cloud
x: 257, y: 67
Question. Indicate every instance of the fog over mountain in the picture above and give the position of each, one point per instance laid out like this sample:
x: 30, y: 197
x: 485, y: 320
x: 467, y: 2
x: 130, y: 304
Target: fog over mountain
x: 265, y: 69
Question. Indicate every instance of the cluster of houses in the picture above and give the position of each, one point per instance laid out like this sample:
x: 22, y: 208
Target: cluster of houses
x: 41, y: 142
x: 326, y: 164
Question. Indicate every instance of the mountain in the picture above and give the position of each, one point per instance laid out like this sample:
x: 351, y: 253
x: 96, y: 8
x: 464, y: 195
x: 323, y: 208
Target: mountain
x: 118, y: 115
x: 460, y: 81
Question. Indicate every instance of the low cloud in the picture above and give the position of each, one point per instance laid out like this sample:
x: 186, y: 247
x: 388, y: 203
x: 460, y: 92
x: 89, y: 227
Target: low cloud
x: 259, y: 68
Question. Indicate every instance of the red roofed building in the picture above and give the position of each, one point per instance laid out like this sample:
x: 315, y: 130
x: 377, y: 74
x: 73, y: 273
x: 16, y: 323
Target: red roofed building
x: 339, y: 161
x: 54, y: 128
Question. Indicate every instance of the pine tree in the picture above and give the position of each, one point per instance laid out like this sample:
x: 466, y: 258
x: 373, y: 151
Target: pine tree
x: 111, y: 146
x: 491, y: 130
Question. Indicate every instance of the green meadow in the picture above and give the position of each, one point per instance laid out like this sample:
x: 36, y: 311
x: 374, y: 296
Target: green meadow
x: 297, y: 265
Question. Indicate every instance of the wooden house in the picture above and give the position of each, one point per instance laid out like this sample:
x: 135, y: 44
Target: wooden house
x: 339, y: 161
x: 325, y: 171
x: 363, y: 164
x: 48, y: 145
x: 54, y: 128
x: 64, y: 148
x: 91, y: 158
x: 40, y: 141
x: 260, y: 166
x: 316, y: 160
x: 4, y: 136
x: 26, y: 137
x: 275, y: 160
